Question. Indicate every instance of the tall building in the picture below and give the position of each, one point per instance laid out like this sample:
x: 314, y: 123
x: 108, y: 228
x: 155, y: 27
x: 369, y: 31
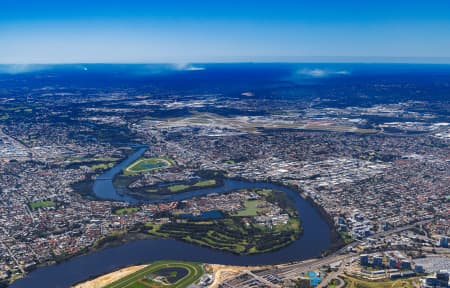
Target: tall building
x: 405, y: 264
x: 443, y: 242
x: 393, y: 263
x: 442, y: 277
x: 439, y: 280
x: 377, y: 261
x: 419, y: 269
x: 364, y: 260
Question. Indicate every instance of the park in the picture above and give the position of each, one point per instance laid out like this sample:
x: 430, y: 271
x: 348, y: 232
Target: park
x: 169, y: 274
x: 146, y: 165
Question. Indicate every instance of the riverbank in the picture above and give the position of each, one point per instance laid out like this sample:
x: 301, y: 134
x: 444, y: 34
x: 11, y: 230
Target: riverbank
x: 121, y: 252
x: 220, y: 273
x: 190, y: 191
x: 218, y: 235
x: 117, y: 240
x: 114, y: 240
x: 150, y: 193
x: 109, y: 278
x: 337, y: 241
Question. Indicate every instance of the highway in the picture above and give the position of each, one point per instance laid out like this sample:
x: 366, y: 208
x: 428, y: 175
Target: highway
x: 294, y: 270
x: 334, y: 275
x: 383, y: 234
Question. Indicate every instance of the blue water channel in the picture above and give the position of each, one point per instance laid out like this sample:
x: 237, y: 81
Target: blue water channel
x: 314, y: 240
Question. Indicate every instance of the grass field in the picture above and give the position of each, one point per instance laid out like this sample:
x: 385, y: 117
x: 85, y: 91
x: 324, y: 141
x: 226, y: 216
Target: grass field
x: 182, y: 187
x: 178, y: 188
x: 128, y: 210
x: 250, y: 210
x: 147, y: 164
x: 205, y: 183
x: 103, y: 166
x: 358, y: 283
x: 41, y: 204
x: 138, y: 279
x: 90, y: 159
x: 231, y: 234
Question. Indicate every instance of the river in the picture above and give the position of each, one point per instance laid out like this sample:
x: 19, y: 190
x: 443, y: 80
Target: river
x: 314, y: 240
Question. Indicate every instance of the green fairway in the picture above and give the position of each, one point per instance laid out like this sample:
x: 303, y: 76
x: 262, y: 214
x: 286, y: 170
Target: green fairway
x: 231, y: 234
x: 178, y: 187
x: 199, y: 184
x: 139, y: 278
x: 205, y: 183
x: 41, y: 204
x: 237, y: 232
x: 146, y: 165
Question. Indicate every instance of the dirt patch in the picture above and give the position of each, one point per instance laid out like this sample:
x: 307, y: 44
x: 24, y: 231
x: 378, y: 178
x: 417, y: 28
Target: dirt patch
x: 109, y: 278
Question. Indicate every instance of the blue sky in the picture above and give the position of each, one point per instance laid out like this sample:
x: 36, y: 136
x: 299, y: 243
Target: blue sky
x: 73, y: 31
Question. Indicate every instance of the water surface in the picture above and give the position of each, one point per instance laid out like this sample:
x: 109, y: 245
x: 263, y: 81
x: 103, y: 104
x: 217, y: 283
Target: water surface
x: 315, y: 238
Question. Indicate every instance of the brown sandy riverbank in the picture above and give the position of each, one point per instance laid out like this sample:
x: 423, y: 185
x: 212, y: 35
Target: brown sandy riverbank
x: 109, y: 278
x: 220, y: 272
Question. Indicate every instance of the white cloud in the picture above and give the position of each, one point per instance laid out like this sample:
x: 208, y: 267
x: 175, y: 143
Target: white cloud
x: 188, y: 67
x: 317, y: 73
x: 342, y: 72
x: 313, y: 72
x: 21, y: 68
x: 194, y: 68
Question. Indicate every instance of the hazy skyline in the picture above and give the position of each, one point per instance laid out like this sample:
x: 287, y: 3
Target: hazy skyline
x: 223, y: 31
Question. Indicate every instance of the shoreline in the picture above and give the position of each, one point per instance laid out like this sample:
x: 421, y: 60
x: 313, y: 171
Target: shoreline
x: 129, y: 236
x: 119, y: 239
x: 216, y: 269
x: 108, y: 278
x: 145, y: 196
x: 336, y: 240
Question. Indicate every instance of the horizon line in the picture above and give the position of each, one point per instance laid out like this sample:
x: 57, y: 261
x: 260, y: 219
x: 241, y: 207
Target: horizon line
x: 283, y: 59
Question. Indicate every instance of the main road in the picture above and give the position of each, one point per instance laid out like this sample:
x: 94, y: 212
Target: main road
x: 293, y: 270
